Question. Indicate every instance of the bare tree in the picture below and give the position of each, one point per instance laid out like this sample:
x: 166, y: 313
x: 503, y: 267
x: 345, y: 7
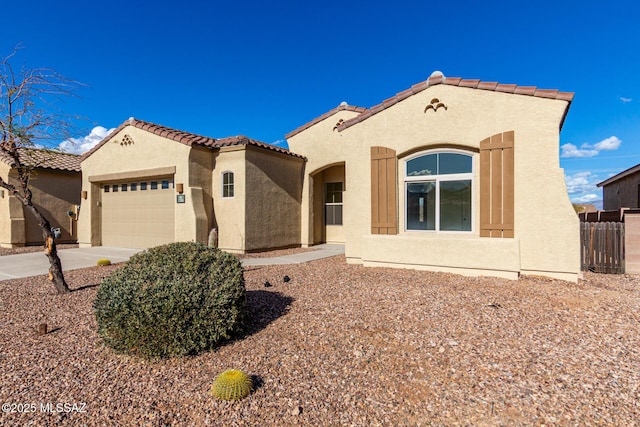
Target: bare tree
x: 29, y: 118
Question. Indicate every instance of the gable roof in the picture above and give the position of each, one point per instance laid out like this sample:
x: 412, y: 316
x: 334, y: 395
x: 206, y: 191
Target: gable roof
x: 365, y: 113
x: 190, y: 139
x: 342, y: 107
x: 632, y: 170
x: 42, y: 158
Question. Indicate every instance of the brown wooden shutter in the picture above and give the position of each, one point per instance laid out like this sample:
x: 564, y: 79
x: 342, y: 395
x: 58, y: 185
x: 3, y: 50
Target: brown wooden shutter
x: 497, y: 186
x: 384, y: 202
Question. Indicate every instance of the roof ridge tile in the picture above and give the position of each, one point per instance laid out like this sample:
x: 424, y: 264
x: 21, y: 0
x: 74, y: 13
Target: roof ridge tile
x: 454, y: 81
x: 184, y: 137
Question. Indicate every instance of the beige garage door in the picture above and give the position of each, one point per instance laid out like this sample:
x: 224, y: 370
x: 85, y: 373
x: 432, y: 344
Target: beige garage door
x: 138, y: 214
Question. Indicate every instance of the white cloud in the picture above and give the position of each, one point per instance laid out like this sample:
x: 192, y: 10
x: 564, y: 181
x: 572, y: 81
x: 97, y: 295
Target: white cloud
x: 624, y: 100
x: 587, y: 198
x: 588, y: 150
x: 85, y: 143
x: 608, y: 144
x: 570, y: 150
x: 581, y: 182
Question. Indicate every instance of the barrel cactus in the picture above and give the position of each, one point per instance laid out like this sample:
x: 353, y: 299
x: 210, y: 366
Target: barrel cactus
x: 232, y: 384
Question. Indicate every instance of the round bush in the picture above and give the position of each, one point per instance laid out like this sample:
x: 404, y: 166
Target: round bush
x: 171, y: 300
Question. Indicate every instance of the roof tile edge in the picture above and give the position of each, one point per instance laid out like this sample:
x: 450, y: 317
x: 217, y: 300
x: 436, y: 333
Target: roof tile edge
x: 458, y: 81
x: 341, y: 107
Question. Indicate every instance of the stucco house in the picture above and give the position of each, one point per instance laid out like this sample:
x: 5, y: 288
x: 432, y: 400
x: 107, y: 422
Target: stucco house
x: 147, y: 184
x: 622, y: 190
x: 447, y: 175
x: 55, y: 185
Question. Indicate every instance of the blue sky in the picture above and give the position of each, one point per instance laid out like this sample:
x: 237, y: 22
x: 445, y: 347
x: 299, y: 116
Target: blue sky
x: 262, y: 69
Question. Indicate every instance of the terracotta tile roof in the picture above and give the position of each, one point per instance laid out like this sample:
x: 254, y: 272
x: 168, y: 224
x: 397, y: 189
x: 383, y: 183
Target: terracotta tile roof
x: 341, y: 107
x: 188, y: 138
x: 458, y: 81
x: 365, y: 113
x: 243, y: 140
x: 44, y: 159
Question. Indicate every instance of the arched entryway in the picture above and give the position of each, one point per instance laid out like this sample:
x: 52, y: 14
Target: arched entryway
x: 328, y: 204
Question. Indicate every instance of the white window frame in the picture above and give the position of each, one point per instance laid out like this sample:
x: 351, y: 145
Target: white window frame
x: 326, y: 193
x: 232, y: 185
x: 437, y: 179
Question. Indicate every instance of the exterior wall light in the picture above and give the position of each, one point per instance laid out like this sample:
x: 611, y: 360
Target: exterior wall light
x: 180, y: 188
x: 84, y: 194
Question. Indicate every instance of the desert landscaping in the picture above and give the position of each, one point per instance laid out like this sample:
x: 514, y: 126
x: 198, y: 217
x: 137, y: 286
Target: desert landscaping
x: 341, y: 345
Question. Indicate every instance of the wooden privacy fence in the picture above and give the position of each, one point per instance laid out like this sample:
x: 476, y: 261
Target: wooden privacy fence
x: 602, y: 247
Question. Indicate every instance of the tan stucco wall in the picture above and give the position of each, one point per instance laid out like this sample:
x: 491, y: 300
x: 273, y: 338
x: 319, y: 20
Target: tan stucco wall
x: 5, y: 217
x: 114, y: 161
x: 549, y: 248
x: 265, y: 209
x: 54, y: 193
x: 323, y: 147
x: 230, y: 211
x: 273, y: 197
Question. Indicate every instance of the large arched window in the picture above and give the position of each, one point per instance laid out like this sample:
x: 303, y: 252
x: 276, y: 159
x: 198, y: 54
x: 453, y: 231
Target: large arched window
x: 438, y: 191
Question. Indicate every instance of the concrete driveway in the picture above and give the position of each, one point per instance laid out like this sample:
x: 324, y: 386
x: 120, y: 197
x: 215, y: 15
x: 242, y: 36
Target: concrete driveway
x: 36, y: 263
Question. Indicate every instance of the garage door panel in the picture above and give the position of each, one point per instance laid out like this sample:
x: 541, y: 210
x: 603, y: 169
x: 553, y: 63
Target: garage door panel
x: 138, y: 219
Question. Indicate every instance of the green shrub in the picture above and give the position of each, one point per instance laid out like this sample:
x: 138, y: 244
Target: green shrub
x: 172, y: 300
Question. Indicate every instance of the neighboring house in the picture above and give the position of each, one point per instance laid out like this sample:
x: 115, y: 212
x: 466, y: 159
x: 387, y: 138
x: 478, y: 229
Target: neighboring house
x: 448, y: 175
x: 55, y: 185
x: 622, y: 190
x: 146, y: 185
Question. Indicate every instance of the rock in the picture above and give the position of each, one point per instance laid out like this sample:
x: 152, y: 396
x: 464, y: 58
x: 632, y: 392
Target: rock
x: 296, y: 411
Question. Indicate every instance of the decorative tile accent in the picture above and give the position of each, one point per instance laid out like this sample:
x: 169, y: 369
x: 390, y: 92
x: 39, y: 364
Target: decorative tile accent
x: 434, y: 105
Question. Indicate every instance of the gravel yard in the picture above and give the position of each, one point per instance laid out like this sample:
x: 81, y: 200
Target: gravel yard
x: 344, y: 345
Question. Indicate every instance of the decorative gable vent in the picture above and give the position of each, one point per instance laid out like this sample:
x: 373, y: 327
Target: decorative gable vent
x: 435, y: 105
x: 126, y: 140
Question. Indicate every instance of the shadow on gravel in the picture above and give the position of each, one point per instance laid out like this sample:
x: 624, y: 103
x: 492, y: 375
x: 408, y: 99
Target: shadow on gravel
x: 256, y: 382
x: 81, y: 288
x: 263, y: 307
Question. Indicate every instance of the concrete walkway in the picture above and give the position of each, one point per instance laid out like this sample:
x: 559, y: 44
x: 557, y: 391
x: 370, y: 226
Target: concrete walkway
x: 318, y: 252
x: 36, y: 263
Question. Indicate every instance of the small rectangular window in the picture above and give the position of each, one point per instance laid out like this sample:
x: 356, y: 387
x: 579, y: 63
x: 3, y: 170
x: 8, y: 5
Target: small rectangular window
x: 227, y: 184
x: 106, y: 188
x: 154, y: 185
x: 165, y: 185
x: 143, y: 186
x: 333, y: 203
x: 134, y: 186
x: 114, y: 188
x: 124, y: 187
